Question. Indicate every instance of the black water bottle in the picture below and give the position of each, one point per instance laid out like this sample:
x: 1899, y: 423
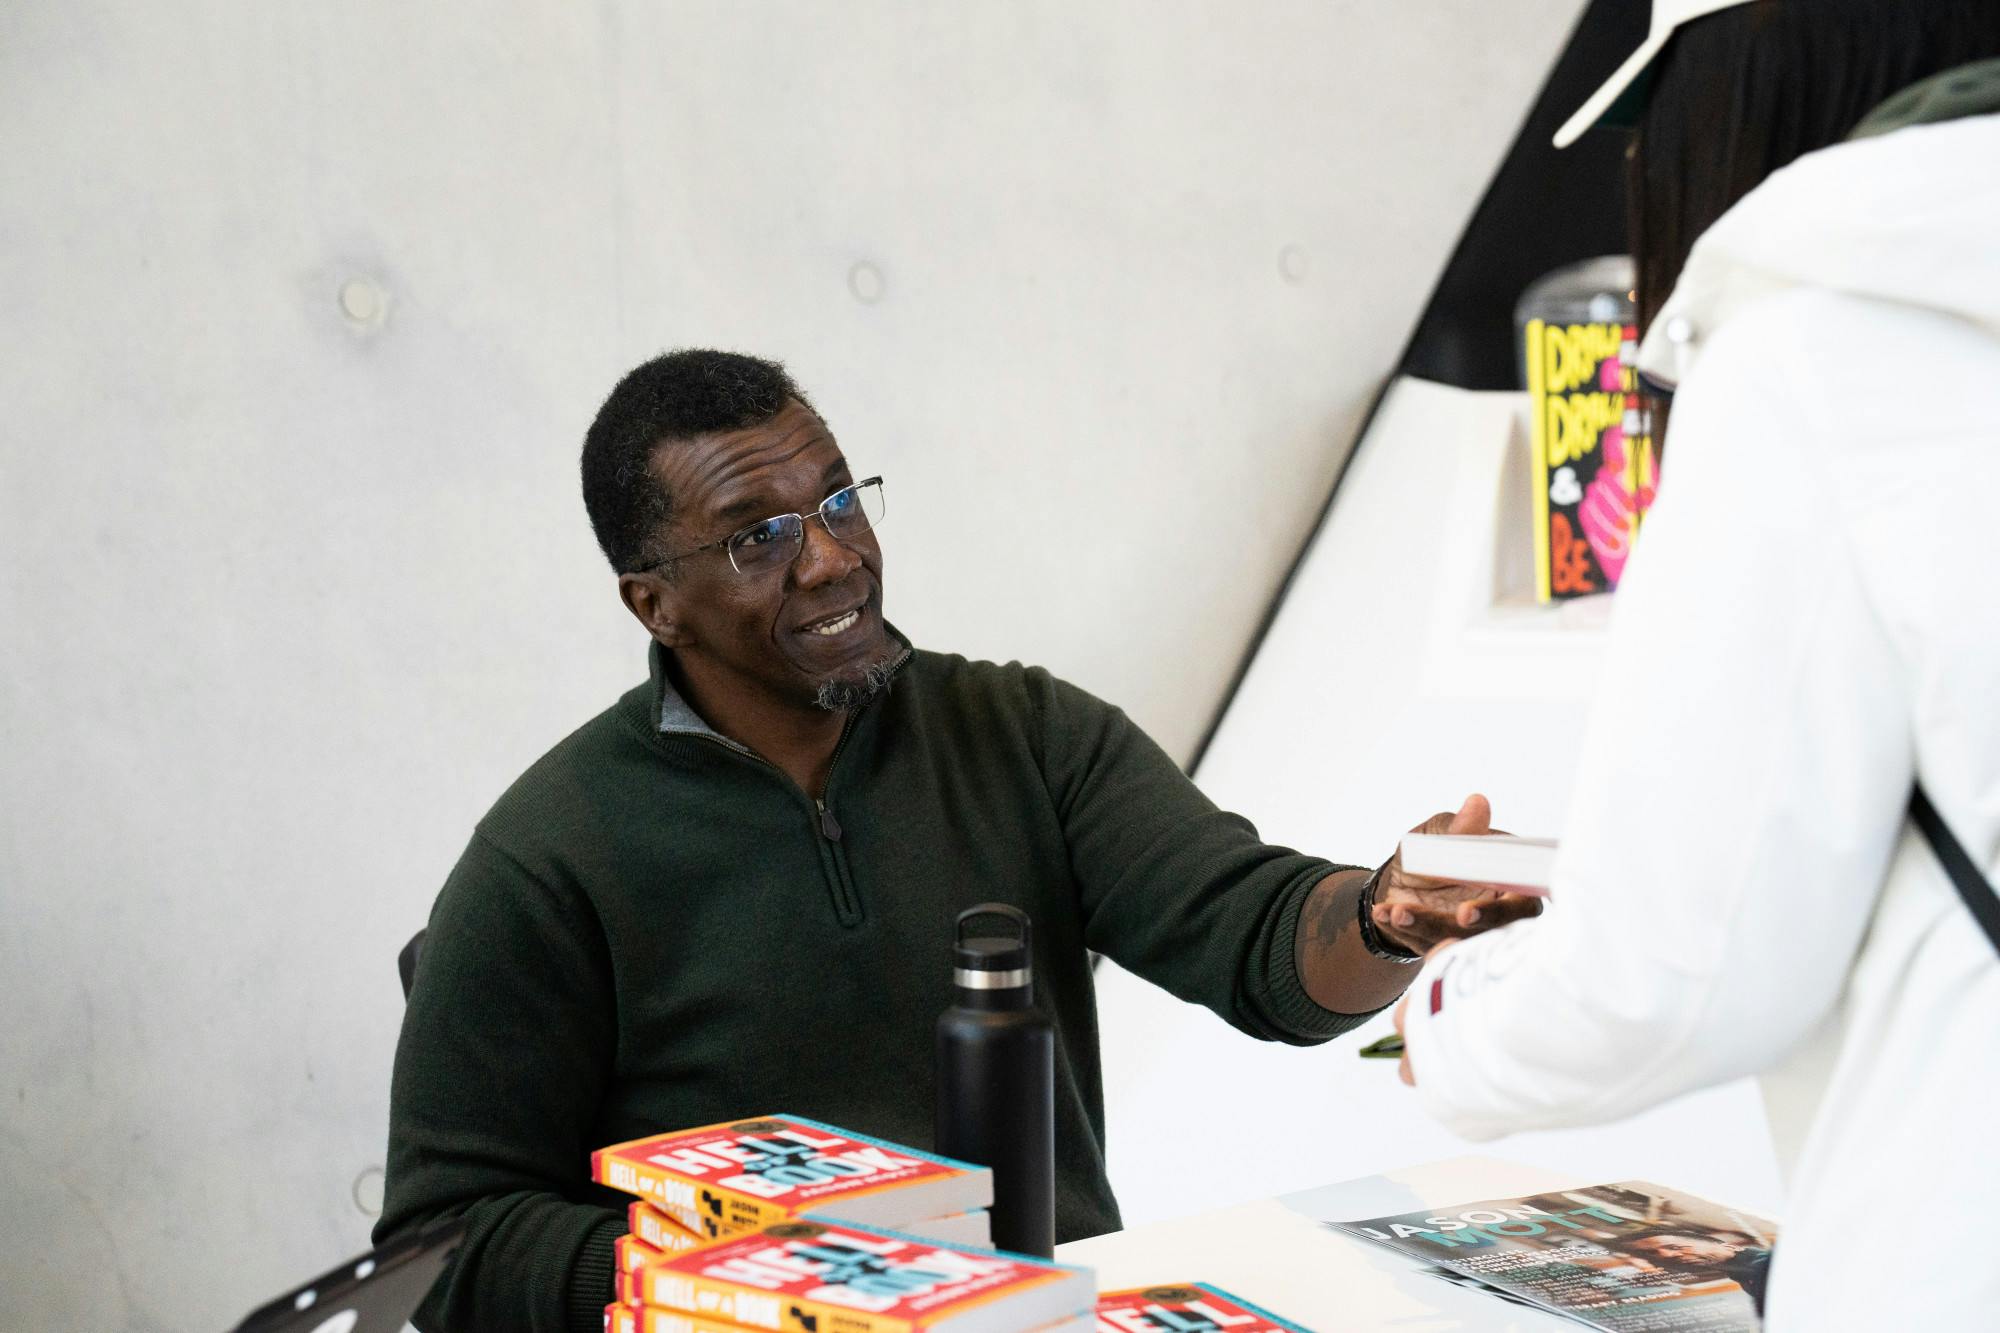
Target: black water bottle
x: 996, y: 1092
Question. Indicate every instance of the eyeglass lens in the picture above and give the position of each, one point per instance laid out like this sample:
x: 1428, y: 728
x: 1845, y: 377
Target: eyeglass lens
x: 848, y: 512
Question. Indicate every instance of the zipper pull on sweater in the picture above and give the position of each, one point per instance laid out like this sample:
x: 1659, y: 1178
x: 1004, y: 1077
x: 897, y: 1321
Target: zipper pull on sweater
x: 829, y: 827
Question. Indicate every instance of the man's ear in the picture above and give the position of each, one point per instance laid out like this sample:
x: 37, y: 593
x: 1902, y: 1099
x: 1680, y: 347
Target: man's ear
x: 655, y: 604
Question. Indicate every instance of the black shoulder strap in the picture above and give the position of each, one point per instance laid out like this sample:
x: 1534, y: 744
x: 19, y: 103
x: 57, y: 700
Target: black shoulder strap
x: 1979, y: 896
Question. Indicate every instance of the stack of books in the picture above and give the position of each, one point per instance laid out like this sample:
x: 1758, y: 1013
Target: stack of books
x: 1186, y: 1307
x: 842, y: 1277
x: 784, y: 1223
x: 745, y: 1175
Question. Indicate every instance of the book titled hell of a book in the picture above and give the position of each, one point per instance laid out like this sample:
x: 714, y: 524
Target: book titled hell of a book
x: 622, y: 1318
x: 630, y: 1254
x: 743, y: 1175
x: 658, y: 1230
x: 1185, y: 1307
x: 809, y: 1277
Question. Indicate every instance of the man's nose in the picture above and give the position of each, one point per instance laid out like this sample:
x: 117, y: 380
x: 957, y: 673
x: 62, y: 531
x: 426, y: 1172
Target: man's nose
x: 824, y: 558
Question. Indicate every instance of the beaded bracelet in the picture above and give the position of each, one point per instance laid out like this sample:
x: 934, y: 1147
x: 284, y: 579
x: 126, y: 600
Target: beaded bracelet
x: 1372, y: 938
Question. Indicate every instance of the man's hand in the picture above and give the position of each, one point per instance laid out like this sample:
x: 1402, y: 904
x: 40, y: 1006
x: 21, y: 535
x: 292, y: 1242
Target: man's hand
x: 1347, y: 974
x: 1418, y: 913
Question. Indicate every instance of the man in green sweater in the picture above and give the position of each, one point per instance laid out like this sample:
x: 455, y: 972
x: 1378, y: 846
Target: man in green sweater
x: 732, y: 892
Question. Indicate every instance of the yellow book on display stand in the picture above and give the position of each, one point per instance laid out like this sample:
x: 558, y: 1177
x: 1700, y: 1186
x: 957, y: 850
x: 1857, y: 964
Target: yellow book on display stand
x: 1591, y: 449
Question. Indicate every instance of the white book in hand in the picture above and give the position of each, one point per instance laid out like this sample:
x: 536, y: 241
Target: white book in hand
x: 1520, y: 864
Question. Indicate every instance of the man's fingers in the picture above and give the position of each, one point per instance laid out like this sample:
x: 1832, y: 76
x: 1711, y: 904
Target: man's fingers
x: 1475, y: 816
x: 1511, y: 907
x: 1437, y: 823
x: 1497, y: 910
x: 1484, y: 913
x: 1422, y: 927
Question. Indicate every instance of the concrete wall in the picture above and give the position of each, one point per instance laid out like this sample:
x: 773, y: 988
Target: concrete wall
x: 306, y: 307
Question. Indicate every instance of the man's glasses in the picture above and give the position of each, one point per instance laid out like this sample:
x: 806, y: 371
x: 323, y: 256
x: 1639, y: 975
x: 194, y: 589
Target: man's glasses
x: 776, y: 542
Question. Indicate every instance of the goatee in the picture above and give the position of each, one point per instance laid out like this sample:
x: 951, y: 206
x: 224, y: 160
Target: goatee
x: 837, y: 696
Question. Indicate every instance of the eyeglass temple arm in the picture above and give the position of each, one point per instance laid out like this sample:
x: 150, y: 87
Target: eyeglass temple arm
x: 818, y: 513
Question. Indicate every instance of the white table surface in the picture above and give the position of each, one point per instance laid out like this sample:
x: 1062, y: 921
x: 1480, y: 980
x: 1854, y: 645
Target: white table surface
x: 1278, y: 1253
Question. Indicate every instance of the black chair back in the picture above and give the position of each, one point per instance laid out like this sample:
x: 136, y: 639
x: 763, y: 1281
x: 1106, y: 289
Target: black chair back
x: 406, y: 963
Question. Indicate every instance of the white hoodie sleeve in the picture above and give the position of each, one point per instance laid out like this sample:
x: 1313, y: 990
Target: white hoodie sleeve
x: 1744, y: 773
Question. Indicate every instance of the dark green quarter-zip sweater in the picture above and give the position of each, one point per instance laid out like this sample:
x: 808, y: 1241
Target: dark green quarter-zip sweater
x: 654, y: 929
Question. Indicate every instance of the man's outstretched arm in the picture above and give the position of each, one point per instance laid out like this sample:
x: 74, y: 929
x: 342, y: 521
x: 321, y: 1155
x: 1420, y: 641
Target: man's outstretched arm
x: 1189, y: 897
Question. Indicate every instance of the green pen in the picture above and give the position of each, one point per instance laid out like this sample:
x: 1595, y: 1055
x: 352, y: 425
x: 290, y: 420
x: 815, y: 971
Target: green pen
x: 1383, y: 1048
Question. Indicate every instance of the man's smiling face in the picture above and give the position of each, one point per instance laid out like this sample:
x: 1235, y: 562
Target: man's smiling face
x: 773, y: 636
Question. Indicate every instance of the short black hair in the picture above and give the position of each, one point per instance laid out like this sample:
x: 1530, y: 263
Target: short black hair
x: 684, y: 394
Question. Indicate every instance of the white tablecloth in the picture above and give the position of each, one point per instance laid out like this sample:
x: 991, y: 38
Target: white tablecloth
x: 1278, y: 1253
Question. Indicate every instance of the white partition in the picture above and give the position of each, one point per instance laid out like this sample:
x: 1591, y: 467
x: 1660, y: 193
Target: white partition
x: 1407, y: 668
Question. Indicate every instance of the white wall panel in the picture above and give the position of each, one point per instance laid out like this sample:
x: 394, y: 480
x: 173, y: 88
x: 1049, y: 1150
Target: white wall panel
x: 293, y: 587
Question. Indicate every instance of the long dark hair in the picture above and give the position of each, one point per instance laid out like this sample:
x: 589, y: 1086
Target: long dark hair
x: 1739, y: 93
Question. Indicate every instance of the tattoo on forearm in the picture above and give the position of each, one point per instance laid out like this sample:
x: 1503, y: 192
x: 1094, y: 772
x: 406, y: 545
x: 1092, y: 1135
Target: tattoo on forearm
x: 1336, y: 915
x: 1329, y: 916
x: 1341, y: 976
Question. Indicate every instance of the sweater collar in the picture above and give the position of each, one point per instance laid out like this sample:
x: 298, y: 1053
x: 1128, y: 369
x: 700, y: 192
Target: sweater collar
x: 674, y: 716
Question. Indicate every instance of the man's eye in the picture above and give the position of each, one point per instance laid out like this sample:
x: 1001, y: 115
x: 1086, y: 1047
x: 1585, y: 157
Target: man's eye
x: 840, y: 501
x: 761, y: 535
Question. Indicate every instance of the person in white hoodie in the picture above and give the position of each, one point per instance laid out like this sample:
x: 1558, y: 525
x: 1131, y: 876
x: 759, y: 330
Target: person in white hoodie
x: 1808, y: 629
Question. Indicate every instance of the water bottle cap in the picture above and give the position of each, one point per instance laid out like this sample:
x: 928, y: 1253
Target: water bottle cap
x: 999, y: 956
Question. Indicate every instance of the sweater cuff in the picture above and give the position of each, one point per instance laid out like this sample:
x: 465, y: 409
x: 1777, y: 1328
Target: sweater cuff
x: 591, y: 1284
x: 1303, y: 1020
